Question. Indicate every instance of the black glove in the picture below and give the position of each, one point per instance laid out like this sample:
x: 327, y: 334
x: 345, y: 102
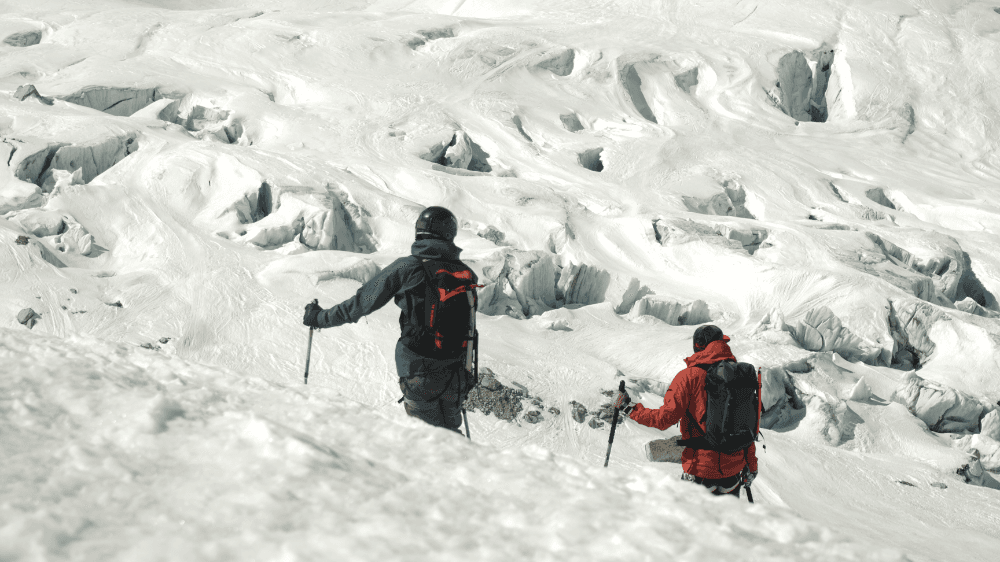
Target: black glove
x: 312, y: 312
x: 622, y: 399
x: 749, y: 478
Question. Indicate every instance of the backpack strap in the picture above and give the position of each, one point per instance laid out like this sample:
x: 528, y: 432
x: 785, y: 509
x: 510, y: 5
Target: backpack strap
x: 428, y: 292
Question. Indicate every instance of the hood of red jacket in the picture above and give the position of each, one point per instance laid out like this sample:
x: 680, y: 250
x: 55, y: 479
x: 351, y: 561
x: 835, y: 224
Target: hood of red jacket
x: 713, y: 353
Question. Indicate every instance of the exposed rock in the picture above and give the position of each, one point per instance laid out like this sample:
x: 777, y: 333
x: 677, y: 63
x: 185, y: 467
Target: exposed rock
x: 974, y: 473
x: 520, y: 127
x: 943, y: 409
x: 664, y: 450
x: 591, y: 159
x: 905, y: 483
x: 425, y: 35
x: 24, y: 38
x: 492, y: 397
x: 632, y: 83
x: 114, y: 101
x: 492, y: 234
x: 571, y: 122
x: 560, y: 64
x: 533, y: 417
x: 29, y: 91
x: 941, y: 485
x: 28, y: 317
x: 911, y: 119
x: 595, y: 423
x: 687, y: 80
x: 554, y: 411
x: 795, y: 82
x: 578, y: 411
x: 21, y: 240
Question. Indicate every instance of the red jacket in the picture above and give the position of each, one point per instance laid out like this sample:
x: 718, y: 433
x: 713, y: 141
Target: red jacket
x: 687, y: 394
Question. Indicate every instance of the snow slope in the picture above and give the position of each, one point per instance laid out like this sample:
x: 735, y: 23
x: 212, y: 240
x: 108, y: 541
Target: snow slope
x: 612, y: 163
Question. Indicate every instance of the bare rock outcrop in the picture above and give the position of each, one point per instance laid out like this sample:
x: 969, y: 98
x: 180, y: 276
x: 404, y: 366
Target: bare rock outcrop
x: 28, y: 317
x: 688, y: 80
x: 24, y: 38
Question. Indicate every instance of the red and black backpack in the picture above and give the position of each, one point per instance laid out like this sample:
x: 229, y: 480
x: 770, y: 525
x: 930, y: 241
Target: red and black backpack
x: 450, y: 302
x: 732, y: 408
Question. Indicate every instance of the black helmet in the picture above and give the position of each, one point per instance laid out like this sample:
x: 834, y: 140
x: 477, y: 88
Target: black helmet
x: 437, y: 222
x: 705, y: 335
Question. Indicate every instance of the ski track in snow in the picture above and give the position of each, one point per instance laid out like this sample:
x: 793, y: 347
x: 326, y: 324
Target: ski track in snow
x: 208, y: 447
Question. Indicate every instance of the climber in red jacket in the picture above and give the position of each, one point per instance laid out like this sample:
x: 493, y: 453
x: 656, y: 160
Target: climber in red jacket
x: 685, y: 402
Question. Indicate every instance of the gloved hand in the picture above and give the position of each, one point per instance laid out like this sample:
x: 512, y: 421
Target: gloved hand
x: 312, y: 312
x: 622, y: 400
x: 750, y: 477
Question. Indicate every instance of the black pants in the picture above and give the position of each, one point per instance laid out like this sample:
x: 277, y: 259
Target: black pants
x: 719, y: 486
x: 433, y: 389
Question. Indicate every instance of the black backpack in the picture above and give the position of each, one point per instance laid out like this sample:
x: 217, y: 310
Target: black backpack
x: 732, y: 412
x: 450, y: 303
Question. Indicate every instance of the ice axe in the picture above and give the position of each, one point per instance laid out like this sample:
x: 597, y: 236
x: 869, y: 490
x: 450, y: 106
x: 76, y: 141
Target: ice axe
x: 309, y: 347
x: 614, y: 423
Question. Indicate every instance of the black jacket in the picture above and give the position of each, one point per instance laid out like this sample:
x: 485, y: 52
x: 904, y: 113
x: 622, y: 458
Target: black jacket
x: 402, y: 279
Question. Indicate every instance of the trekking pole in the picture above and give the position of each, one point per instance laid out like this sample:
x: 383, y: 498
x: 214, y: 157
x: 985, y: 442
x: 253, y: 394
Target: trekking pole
x: 614, y: 423
x: 309, y: 347
x: 475, y: 377
x: 746, y: 486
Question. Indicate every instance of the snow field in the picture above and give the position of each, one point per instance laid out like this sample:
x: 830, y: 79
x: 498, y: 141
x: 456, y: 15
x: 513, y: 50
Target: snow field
x: 283, y: 157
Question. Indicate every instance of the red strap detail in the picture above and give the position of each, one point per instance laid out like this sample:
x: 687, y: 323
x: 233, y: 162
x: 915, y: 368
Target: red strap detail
x: 437, y: 340
x: 465, y: 274
x: 447, y: 295
x: 433, y: 306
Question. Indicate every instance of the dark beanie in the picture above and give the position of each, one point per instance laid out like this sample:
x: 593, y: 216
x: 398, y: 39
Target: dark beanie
x: 705, y: 335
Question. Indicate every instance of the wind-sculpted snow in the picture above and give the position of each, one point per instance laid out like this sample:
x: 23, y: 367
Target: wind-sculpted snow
x: 621, y: 172
x: 310, y: 474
